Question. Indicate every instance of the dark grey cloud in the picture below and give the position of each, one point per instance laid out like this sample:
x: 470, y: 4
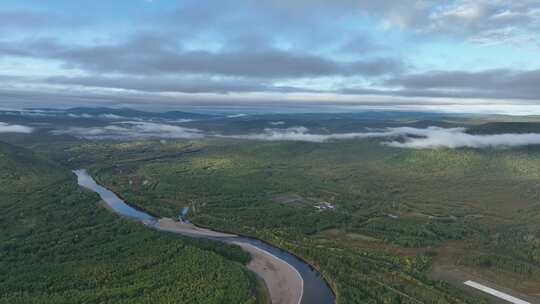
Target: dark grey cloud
x: 44, y: 48
x: 37, y: 21
x: 151, y: 55
x: 62, y: 98
x: 502, y: 83
x: 490, y: 84
x: 172, y: 84
x: 359, y: 44
x: 269, y: 46
x: 266, y: 22
x: 460, y: 79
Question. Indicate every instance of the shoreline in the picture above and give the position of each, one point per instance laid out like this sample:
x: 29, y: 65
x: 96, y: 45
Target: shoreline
x: 230, y: 234
x: 157, y: 218
x: 294, y: 269
x: 284, y: 283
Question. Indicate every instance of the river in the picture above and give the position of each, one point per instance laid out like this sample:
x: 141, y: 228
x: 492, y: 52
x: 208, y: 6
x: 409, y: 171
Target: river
x: 308, y: 287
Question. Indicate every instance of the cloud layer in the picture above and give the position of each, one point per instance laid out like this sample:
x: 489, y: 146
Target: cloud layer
x: 302, y: 134
x: 399, y: 137
x: 166, y: 54
x: 132, y: 130
x: 405, y: 137
x: 495, y: 83
x: 434, y: 137
x: 151, y: 55
x: 7, y: 128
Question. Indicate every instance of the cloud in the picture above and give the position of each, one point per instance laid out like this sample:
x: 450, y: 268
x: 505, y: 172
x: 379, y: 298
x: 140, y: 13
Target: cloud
x: 340, y: 47
x: 302, y: 134
x: 268, y: 102
x: 457, y: 138
x: 184, y: 120
x: 479, y: 21
x: 237, y: 115
x: 491, y: 83
x: 185, y: 84
x: 7, y: 128
x: 148, y: 54
x: 90, y: 116
x: 61, y: 113
x: 404, y: 137
x: 501, y: 83
x: 36, y: 20
x: 289, y: 46
x: 475, y: 21
x: 486, y: 21
x: 132, y: 130
x: 111, y: 116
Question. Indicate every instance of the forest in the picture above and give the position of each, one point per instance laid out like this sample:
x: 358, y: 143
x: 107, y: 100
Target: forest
x: 59, y: 245
x: 396, y: 210
x: 406, y: 225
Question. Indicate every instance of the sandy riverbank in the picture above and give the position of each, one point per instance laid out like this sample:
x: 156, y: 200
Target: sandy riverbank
x: 283, y: 281
x: 170, y: 225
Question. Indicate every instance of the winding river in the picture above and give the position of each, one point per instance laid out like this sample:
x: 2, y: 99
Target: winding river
x: 289, y: 279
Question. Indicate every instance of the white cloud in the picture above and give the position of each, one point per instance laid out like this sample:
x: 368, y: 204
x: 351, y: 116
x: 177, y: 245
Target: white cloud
x: 485, y: 21
x: 80, y: 115
x: 405, y: 137
x: 457, y: 138
x: 34, y: 113
x: 302, y: 134
x: 132, y: 130
x: 106, y: 116
x: 7, y: 128
x: 111, y: 116
x: 183, y: 120
x: 237, y: 115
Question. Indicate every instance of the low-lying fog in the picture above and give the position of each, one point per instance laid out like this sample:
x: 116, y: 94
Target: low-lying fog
x: 8, y: 128
x: 430, y: 137
x: 132, y: 129
x: 399, y: 137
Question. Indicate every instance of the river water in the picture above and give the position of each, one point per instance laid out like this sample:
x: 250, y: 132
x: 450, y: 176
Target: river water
x: 316, y: 290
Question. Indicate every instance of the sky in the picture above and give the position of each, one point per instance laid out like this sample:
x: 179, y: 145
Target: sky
x: 477, y: 56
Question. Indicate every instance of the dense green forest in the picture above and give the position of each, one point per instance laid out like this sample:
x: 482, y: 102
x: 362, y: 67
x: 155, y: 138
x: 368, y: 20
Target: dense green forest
x: 58, y: 245
x: 406, y: 225
x: 395, y: 210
